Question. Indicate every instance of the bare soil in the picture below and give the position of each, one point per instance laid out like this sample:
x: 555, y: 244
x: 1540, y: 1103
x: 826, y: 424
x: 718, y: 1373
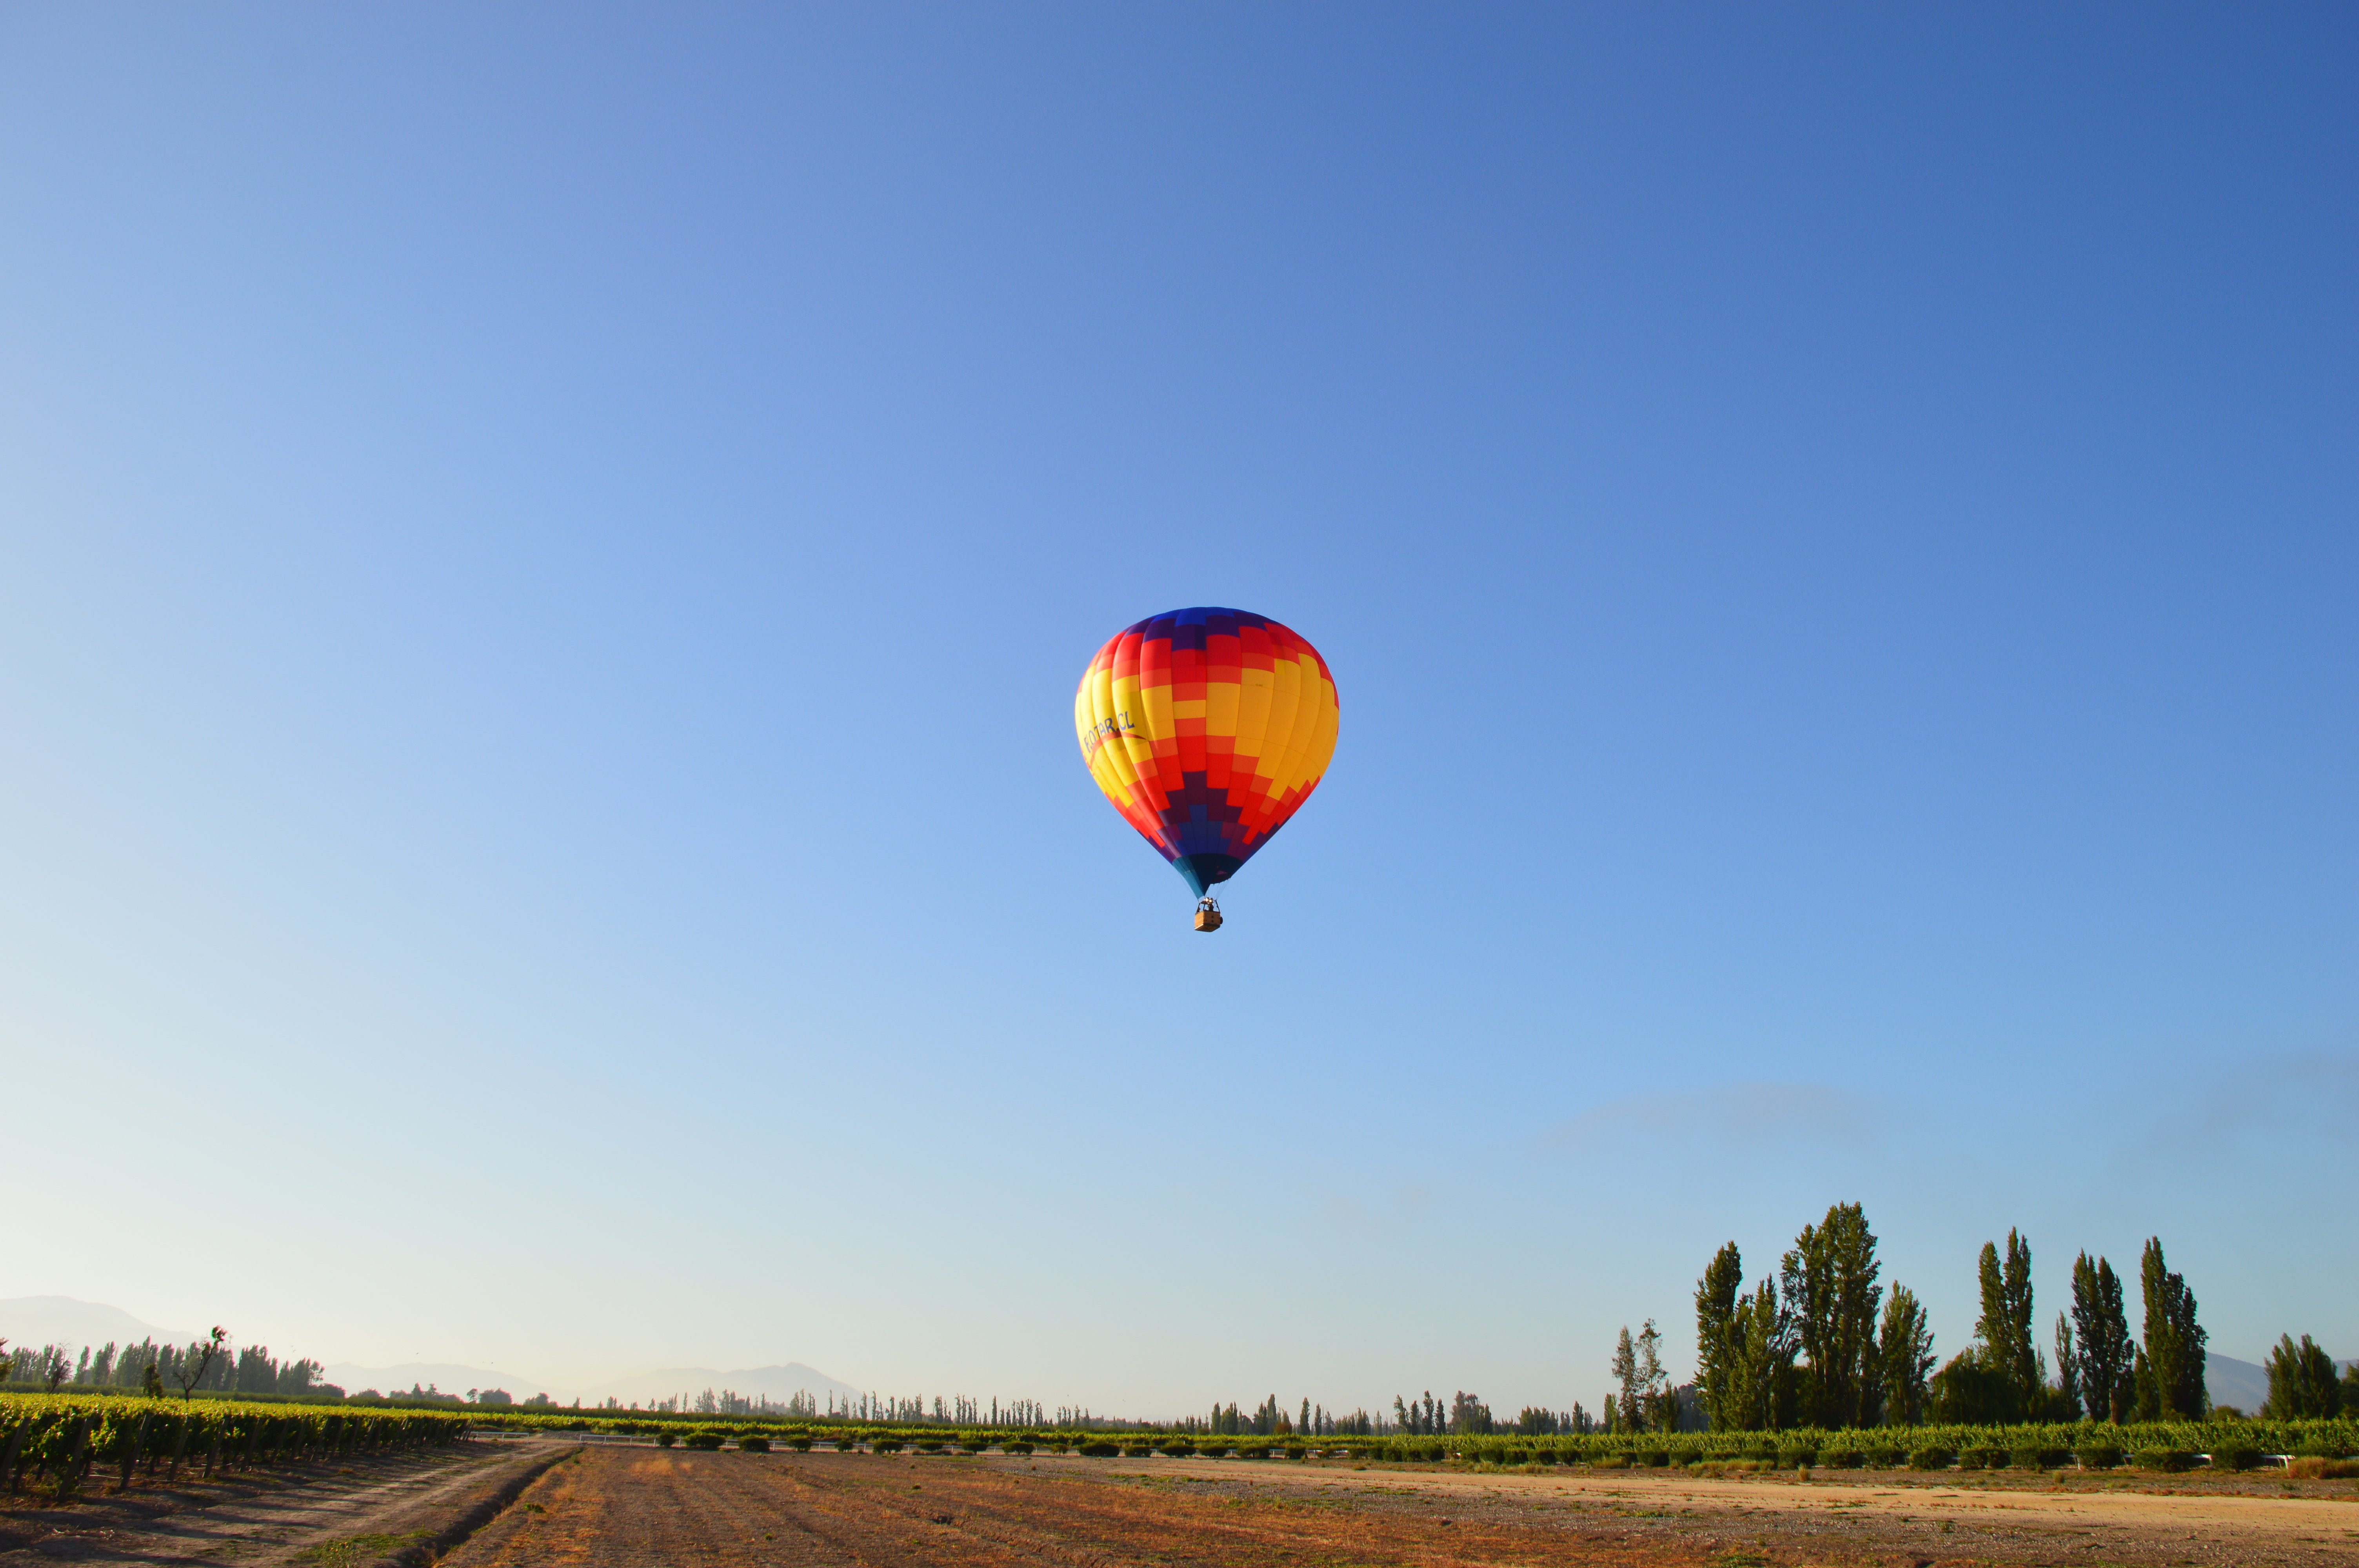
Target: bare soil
x: 638, y: 1507
x: 354, y: 1512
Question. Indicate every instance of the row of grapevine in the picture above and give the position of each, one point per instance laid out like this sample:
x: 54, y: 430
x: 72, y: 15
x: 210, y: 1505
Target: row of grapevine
x: 58, y: 1441
x: 1884, y: 1447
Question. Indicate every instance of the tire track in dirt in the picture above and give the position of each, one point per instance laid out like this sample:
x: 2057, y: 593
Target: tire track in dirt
x: 407, y: 1507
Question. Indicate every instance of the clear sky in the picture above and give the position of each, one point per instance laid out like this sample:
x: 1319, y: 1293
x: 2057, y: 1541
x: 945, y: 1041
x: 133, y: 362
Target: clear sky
x: 545, y: 553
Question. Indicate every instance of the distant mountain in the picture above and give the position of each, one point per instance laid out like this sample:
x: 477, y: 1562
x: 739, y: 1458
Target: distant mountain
x: 437, y: 1376
x: 61, y: 1320
x: 2233, y: 1382
x: 777, y: 1384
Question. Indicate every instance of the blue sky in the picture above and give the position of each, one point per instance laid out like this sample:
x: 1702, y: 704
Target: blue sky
x: 544, y: 555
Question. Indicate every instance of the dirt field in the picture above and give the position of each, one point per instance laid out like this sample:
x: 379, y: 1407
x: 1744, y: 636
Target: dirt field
x: 361, y: 1511
x: 637, y: 1507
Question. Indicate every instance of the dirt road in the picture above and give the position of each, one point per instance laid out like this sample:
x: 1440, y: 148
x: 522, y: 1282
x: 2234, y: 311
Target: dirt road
x: 365, y: 1511
x: 640, y: 1508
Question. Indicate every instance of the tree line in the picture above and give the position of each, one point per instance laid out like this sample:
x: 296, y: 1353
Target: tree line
x: 1465, y: 1415
x: 1818, y: 1343
x: 1821, y: 1344
x: 213, y: 1365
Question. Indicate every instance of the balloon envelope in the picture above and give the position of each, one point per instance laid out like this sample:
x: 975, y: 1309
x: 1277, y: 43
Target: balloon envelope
x: 1208, y: 729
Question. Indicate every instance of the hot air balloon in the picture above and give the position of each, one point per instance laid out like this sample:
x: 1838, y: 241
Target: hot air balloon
x: 1208, y: 729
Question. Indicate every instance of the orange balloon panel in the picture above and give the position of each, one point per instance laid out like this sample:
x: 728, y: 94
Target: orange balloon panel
x: 1208, y: 729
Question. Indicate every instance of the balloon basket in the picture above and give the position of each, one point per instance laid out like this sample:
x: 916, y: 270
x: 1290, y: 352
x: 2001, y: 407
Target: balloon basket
x: 1208, y: 914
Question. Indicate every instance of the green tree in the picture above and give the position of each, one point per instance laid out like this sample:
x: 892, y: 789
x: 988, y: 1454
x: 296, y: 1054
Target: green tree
x: 2301, y: 1381
x: 1905, y: 1345
x: 1625, y: 1371
x: 1765, y: 1391
x: 2169, y: 1366
x: 1829, y: 1286
x: 1969, y: 1391
x: 1468, y: 1413
x: 1715, y: 1303
x: 1657, y: 1407
x: 1745, y: 1347
x: 2006, y: 1347
x: 2065, y: 1401
x: 255, y: 1372
x: 2103, y: 1350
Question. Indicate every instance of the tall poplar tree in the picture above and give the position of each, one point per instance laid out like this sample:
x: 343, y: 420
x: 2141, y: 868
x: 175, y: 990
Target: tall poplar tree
x: 2004, y: 1326
x: 2103, y: 1352
x: 1905, y: 1345
x: 1624, y: 1368
x: 1746, y: 1346
x: 1765, y: 1390
x: 1830, y: 1281
x: 2170, y: 1368
x: 1658, y: 1410
x: 1715, y: 1303
x: 2067, y: 1379
x: 2302, y: 1381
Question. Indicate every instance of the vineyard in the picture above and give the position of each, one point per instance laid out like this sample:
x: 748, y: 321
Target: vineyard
x: 59, y: 1441
x: 2090, y: 1444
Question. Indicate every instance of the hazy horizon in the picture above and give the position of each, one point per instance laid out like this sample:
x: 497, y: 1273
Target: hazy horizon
x: 1833, y: 532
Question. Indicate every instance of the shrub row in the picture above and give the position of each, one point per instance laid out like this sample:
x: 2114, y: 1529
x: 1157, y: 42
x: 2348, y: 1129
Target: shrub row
x: 2095, y: 1445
